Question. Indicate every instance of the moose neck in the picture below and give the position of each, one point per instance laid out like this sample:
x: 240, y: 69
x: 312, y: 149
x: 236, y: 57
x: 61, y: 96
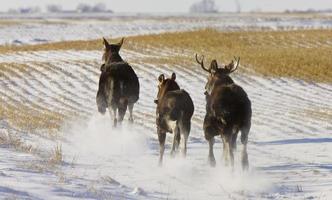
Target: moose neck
x: 114, y: 57
x: 224, y: 80
x: 218, y: 80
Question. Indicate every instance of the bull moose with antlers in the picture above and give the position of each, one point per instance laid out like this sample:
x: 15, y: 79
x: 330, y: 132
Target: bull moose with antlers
x: 228, y: 111
x: 174, y: 111
x: 118, y: 84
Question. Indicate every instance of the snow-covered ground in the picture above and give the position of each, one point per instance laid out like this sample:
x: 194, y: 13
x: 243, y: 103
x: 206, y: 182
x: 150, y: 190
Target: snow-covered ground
x: 43, y: 28
x: 289, y: 143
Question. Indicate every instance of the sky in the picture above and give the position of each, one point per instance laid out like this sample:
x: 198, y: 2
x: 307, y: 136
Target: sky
x: 175, y: 5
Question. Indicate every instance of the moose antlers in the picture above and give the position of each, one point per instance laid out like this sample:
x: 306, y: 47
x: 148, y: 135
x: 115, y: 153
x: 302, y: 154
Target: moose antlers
x: 201, y: 62
x: 230, y: 67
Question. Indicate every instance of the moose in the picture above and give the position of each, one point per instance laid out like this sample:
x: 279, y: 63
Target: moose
x: 173, y: 114
x: 228, y: 111
x: 118, y: 84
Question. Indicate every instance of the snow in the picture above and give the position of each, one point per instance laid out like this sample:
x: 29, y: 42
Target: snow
x: 289, y: 147
x: 43, y: 28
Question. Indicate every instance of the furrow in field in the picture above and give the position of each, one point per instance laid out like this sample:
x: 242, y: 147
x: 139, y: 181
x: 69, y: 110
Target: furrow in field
x: 52, y: 85
x: 71, y: 83
x: 35, y: 92
x: 18, y: 89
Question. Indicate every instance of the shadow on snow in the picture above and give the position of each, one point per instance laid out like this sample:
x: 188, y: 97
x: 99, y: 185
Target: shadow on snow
x: 296, y: 141
x: 296, y: 166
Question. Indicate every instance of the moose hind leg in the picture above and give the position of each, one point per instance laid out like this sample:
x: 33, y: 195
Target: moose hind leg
x: 161, y: 138
x: 178, y: 139
x: 231, y: 152
x: 225, y: 153
x: 184, y: 131
x: 234, y: 137
x: 131, y: 107
x: 210, y: 130
x: 122, y: 109
x: 113, y: 115
x: 175, y: 131
x: 211, y: 159
x: 227, y: 138
x: 228, y: 152
x: 244, y: 141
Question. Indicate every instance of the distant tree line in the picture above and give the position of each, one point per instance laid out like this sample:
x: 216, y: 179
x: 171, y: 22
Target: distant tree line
x: 55, y: 8
x: 99, y: 7
x: 25, y: 10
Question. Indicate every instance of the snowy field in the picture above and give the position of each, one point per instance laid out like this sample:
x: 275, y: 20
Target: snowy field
x: 41, y: 28
x: 289, y: 143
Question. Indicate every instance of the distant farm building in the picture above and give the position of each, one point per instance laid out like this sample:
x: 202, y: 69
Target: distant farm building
x: 204, y: 6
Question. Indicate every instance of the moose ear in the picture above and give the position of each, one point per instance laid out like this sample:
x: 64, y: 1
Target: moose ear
x: 105, y: 42
x: 173, y: 77
x: 230, y: 66
x: 161, y: 78
x: 121, y: 42
x: 103, y: 68
x: 214, y: 66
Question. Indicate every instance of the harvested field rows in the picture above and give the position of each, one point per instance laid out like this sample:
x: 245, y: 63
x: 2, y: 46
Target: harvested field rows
x: 60, y: 85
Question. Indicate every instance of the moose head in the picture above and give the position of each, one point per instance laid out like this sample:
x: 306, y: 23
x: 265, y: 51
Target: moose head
x: 111, y: 51
x: 218, y: 74
x: 166, y: 85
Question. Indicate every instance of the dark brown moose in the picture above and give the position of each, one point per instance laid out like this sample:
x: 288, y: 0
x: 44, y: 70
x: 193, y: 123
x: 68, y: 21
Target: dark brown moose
x: 228, y: 111
x: 174, y: 111
x: 118, y: 84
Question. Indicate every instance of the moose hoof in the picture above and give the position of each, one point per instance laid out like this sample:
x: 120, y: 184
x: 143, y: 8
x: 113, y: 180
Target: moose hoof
x: 184, y: 155
x: 212, y: 162
x: 245, y: 162
x: 245, y: 166
x: 131, y: 120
